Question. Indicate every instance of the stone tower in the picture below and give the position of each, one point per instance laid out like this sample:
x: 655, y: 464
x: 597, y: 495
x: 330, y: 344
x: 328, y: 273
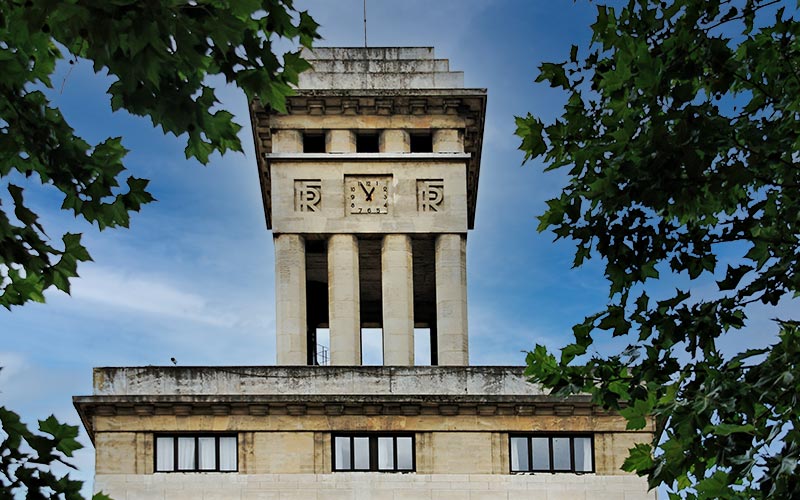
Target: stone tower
x: 369, y: 185
x: 369, y: 182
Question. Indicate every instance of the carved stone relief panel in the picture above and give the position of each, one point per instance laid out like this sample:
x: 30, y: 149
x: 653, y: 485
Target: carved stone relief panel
x: 307, y: 195
x: 430, y: 195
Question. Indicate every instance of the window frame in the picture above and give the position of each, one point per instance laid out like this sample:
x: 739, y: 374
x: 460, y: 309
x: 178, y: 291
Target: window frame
x: 550, y: 436
x: 373, y: 451
x: 196, y: 437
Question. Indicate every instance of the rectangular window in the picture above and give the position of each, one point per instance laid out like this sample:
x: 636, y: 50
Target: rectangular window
x: 196, y: 453
x: 551, y: 453
x: 383, y: 453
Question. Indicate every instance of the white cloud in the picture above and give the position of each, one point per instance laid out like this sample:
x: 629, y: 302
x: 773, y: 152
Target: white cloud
x: 149, y: 295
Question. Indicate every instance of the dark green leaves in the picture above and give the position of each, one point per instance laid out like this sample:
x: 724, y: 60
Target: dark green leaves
x: 161, y: 56
x: 680, y: 142
x: 26, y: 458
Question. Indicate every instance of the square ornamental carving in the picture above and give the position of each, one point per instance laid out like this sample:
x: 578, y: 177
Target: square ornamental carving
x: 307, y: 195
x: 430, y: 195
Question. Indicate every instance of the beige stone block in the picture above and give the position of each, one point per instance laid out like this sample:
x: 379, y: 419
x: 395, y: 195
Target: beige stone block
x: 115, y: 453
x: 340, y: 141
x: 448, y: 141
x: 462, y: 452
x: 415, y: 494
x: 260, y: 495
x: 449, y: 494
x: 287, y: 141
x: 488, y: 495
x: 398, y: 300
x: 283, y: 453
x: 395, y: 141
x: 290, y: 299
x: 611, y: 450
x: 343, y: 300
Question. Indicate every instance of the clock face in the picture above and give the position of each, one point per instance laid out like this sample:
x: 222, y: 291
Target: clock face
x: 367, y: 194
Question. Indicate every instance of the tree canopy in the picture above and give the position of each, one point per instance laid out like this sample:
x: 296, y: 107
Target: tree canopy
x: 161, y: 57
x: 27, y: 458
x: 680, y: 144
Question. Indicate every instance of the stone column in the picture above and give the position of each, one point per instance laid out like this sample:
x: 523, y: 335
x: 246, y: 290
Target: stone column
x: 343, y: 300
x: 340, y: 141
x: 451, y: 299
x: 398, y: 300
x: 395, y: 141
x: 290, y: 299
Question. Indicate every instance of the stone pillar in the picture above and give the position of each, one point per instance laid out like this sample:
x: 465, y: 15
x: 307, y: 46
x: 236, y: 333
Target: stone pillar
x: 290, y: 299
x: 451, y: 299
x: 340, y: 141
x: 395, y: 141
x: 446, y: 140
x: 343, y: 300
x: 398, y: 300
x: 287, y: 141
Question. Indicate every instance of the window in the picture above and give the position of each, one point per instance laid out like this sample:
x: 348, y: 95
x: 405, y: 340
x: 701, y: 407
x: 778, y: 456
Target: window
x: 196, y: 453
x: 313, y: 142
x: 421, y: 142
x: 551, y: 453
x: 367, y: 142
x: 385, y: 453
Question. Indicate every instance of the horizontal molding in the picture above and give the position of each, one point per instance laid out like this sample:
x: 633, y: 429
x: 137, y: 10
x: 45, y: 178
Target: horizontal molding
x: 317, y: 157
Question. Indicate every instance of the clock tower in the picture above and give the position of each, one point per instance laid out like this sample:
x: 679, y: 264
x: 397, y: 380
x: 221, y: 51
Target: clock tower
x: 369, y: 181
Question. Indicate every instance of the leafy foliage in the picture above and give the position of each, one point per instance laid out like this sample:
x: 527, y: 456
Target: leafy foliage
x: 681, y: 143
x: 26, y: 459
x: 161, y: 56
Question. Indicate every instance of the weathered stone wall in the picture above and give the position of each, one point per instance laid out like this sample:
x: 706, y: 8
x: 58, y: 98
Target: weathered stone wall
x: 312, y: 380
x: 372, y: 486
x: 304, y: 451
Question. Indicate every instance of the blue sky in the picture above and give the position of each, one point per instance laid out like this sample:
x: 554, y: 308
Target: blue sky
x: 193, y: 276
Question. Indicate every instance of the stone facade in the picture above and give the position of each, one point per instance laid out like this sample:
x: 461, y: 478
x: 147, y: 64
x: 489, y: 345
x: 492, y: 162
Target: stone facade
x: 370, y: 187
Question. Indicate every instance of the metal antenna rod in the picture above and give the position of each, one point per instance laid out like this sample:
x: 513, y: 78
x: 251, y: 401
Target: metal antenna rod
x: 365, y: 23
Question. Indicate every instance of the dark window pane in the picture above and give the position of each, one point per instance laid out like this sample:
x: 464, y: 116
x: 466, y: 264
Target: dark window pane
x: 342, y: 457
x: 519, y: 454
x: 405, y: 453
x: 422, y: 143
x: 541, y: 453
x: 361, y: 453
x: 561, y: 453
x: 582, y: 451
x: 313, y: 143
x: 385, y: 453
x: 367, y: 142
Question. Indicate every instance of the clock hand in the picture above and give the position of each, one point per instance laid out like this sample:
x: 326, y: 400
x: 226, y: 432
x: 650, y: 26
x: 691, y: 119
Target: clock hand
x: 364, y: 189
x: 369, y: 195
